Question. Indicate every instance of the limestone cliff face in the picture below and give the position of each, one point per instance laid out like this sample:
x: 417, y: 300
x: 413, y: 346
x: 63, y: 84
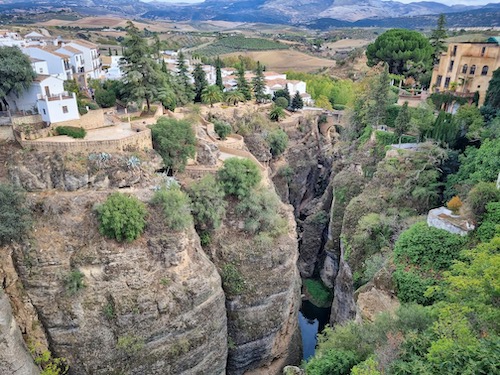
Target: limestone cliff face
x: 37, y: 171
x: 262, y: 317
x: 153, y: 306
x: 14, y: 356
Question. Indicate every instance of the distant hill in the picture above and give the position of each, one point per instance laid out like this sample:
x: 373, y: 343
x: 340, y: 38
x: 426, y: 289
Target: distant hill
x: 319, y: 14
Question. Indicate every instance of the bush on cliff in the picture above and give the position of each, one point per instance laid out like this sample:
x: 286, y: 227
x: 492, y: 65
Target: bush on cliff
x: 208, y: 205
x: 238, y: 177
x: 175, y: 206
x: 15, y: 217
x: 122, y: 217
x: 71, y: 131
x: 175, y: 141
x: 222, y: 128
x: 260, y: 212
x: 278, y: 141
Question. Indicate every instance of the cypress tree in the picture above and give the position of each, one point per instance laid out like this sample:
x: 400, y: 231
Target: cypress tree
x: 437, y: 39
x: 297, y: 102
x: 259, y: 84
x: 200, y: 82
x: 242, y: 83
x: 218, y: 74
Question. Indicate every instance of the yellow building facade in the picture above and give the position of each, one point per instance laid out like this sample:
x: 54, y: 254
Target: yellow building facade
x: 466, y: 68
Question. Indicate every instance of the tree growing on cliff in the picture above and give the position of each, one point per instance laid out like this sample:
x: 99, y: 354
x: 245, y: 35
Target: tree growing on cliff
x: 238, y: 177
x: 402, y: 123
x: 175, y: 141
x: 15, y: 71
x: 15, y: 216
x: 175, y: 206
x: 211, y: 94
x: 242, y: 82
x: 208, y: 205
x: 122, y: 217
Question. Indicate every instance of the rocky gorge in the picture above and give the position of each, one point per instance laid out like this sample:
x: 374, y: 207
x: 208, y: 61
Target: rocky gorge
x: 156, y: 305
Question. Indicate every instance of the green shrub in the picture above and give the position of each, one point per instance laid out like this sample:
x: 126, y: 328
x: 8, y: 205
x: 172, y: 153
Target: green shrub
x: 281, y: 102
x: 480, y: 196
x: 92, y: 106
x: 238, y: 176
x: 105, y: 98
x: 232, y: 280
x: 175, y: 205
x: 321, y: 295
x: 122, y: 217
x: 222, y: 128
x: 260, y: 212
x: 74, y: 282
x: 278, y: 141
x: 332, y: 362
x: 339, y: 107
x: 420, y: 253
x: 71, y: 131
x: 15, y: 217
x: 490, y: 226
x: 208, y: 205
x: 428, y: 247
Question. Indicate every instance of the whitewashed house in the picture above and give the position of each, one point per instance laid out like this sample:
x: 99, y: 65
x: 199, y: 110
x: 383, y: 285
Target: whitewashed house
x: 76, y: 61
x: 39, y: 66
x: 113, y: 70
x: 58, y: 64
x: 91, y: 58
x: 11, y: 39
x: 46, y: 96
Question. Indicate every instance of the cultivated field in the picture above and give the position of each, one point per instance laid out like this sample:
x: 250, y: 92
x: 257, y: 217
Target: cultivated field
x: 283, y: 60
x: 347, y: 44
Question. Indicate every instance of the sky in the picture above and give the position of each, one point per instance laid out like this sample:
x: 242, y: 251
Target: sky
x: 447, y: 2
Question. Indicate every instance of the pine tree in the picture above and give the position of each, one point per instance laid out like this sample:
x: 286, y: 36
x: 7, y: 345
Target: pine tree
x: 297, y: 102
x: 402, y: 123
x: 242, y: 83
x: 142, y: 74
x: 437, y: 39
x: 200, y: 82
x: 218, y: 74
x: 259, y: 84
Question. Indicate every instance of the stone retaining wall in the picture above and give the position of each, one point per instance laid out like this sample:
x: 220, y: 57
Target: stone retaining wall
x: 138, y: 141
x: 29, y: 120
x: 93, y: 119
x: 242, y: 153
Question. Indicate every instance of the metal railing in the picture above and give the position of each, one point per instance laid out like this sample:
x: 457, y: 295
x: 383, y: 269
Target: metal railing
x: 60, y: 96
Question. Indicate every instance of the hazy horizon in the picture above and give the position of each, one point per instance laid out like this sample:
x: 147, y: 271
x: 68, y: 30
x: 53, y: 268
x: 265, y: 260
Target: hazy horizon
x: 446, y: 2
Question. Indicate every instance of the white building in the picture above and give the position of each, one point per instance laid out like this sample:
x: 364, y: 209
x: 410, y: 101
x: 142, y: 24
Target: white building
x: 11, y: 39
x: 91, y: 58
x: 46, y: 96
x: 39, y: 66
x: 112, y: 67
x: 58, y: 64
x: 76, y: 61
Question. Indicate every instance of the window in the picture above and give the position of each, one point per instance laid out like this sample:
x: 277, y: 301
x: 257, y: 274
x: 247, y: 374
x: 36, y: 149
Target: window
x: 485, y: 70
x: 452, y: 62
x: 438, y: 80
x: 454, y: 51
x: 65, y: 109
x: 464, y: 69
x: 44, y: 111
x: 447, y: 82
x: 472, y: 70
x: 483, y: 51
x: 41, y: 70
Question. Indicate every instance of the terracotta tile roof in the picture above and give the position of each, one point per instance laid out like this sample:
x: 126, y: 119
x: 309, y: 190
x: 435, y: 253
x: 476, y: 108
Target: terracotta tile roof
x: 84, y: 43
x: 72, y: 49
x: 41, y: 78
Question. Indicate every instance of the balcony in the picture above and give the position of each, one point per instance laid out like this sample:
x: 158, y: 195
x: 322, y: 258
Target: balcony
x: 62, y: 96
